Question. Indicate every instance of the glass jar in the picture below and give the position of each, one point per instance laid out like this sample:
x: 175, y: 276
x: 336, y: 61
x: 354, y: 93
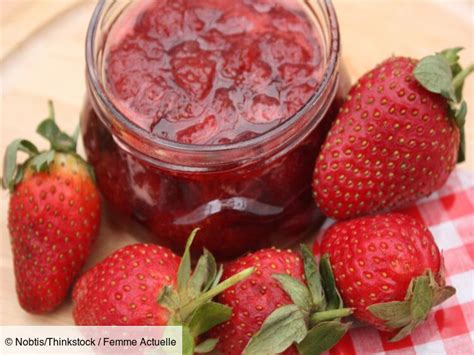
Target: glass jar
x: 245, y: 195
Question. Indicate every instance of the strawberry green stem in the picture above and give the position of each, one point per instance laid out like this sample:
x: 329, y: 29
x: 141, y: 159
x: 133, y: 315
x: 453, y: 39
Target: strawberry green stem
x: 459, y: 78
x: 330, y: 315
x: 224, y: 285
x: 51, y: 110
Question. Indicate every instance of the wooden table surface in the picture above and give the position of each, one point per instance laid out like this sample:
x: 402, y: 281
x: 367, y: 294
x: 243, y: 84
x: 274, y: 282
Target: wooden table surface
x: 42, y: 57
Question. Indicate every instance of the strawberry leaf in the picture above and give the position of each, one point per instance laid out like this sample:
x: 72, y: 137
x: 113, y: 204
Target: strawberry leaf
x: 190, y: 304
x: 20, y: 173
x: 298, y: 292
x: 59, y: 140
x: 203, y: 275
x: 12, y: 173
x: 396, y: 313
x: 422, y: 299
x: 188, y: 341
x: 451, y: 55
x: 460, y: 115
x: 403, y: 332
x: 188, y: 308
x: 208, y: 316
x: 313, y: 278
x: 38, y: 161
x: 333, y: 298
x: 460, y: 118
x: 434, y: 73
x: 185, y: 265
x: 42, y: 161
x: 322, y: 337
x: 285, y: 326
x: 168, y: 298
x: 217, y: 278
x: 206, y: 346
x: 390, y: 310
x: 442, y: 74
x: 422, y: 294
x: 440, y: 293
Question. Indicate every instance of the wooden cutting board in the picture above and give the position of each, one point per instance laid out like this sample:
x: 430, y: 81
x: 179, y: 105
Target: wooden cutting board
x: 42, y: 57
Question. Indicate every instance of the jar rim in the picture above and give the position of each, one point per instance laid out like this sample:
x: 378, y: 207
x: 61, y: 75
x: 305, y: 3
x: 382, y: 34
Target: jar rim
x: 329, y: 73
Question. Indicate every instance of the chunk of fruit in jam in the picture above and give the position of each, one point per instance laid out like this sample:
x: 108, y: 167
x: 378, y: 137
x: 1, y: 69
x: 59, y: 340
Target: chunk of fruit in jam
x: 212, y: 71
x: 194, y: 75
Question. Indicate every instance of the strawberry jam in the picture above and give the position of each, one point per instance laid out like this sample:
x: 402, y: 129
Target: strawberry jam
x: 225, y: 78
x: 212, y: 72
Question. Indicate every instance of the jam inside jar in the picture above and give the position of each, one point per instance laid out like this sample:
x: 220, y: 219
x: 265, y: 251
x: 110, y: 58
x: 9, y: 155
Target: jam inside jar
x: 210, y: 114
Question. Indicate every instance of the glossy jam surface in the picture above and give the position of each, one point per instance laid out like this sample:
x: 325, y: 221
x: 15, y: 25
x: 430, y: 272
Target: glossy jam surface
x: 212, y: 71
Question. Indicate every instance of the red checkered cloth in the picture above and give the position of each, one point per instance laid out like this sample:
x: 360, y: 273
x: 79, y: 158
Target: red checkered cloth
x: 449, y: 329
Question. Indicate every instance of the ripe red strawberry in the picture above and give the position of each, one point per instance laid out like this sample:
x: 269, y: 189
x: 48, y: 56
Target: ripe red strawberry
x: 123, y: 288
x: 388, y: 268
x: 54, y: 217
x: 144, y: 284
x: 396, y: 138
x: 275, y: 307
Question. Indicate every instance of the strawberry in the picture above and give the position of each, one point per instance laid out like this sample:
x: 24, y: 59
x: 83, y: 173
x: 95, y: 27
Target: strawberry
x: 122, y: 289
x: 388, y: 268
x: 275, y: 308
x: 396, y: 139
x: 54, y: 216
x: 144, y: 284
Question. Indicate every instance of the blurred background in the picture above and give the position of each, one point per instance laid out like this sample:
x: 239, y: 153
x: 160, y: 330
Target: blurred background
x: 42, y: 57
